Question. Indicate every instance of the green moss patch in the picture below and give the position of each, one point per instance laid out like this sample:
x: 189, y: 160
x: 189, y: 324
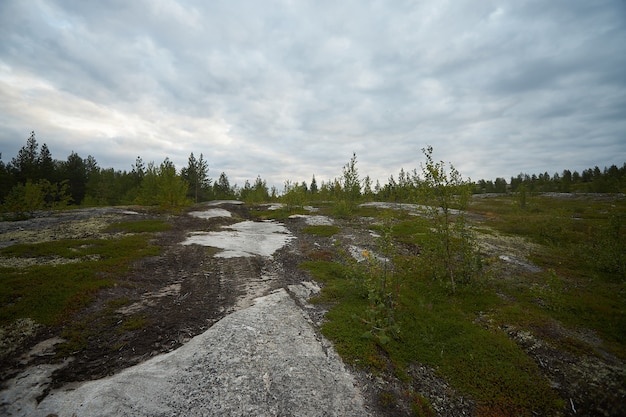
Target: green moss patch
x: 139, y: 226
x: 49, y: 293
x: 321, y: 230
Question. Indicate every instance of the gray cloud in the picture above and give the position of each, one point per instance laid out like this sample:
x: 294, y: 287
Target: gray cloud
x: 288, y: 89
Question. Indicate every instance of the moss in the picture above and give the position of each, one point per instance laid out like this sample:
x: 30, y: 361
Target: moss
x: 139, y: 226
x: 50, y: 293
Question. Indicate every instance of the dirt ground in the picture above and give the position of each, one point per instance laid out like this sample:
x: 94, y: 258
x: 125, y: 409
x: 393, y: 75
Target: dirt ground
x: 185, y: 290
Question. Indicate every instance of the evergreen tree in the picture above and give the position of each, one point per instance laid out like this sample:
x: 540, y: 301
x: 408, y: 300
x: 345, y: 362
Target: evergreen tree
x: 500, y: 185
x: 138, y: 170
x: 313, y: 187
x: 566, y: 181
x: 46, y: 165
x: 197, y: 175
x: 25, y: 164
x: 6, y: 180
x: 221, y: 188
x: 260, y: 191
x: 75, y: 171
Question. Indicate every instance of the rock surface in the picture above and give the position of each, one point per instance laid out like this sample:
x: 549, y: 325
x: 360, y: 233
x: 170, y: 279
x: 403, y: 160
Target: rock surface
x: 263, y: 360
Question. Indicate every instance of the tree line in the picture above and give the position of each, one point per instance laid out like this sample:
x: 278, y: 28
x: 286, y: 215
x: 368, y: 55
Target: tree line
x: 591, y: 180
x: 33, y: 180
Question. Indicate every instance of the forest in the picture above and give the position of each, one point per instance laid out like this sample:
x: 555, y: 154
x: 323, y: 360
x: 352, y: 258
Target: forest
x: 33, y: 180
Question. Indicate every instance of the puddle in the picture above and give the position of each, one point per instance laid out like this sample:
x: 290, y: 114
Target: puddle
x: 210, y: 213
x: 244, y: 239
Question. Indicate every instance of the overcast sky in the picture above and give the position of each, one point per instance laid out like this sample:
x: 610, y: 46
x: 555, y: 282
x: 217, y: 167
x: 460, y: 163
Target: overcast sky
x: 288, y: 89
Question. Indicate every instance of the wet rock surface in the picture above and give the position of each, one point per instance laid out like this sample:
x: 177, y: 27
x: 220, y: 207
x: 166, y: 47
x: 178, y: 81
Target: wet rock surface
x: 266, y: 359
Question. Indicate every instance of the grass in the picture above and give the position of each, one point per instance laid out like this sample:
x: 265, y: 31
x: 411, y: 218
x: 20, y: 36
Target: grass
x: 439, y: 330
x: 583, y: 253
x: 65, y: 248
x: 139, y: 226
x: 50, y: 293
x: 341, y: 326
x: 580, y: 246
x: 282, y: 213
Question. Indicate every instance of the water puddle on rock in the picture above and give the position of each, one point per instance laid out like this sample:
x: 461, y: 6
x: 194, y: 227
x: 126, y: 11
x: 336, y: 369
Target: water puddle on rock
x: 244, y: 239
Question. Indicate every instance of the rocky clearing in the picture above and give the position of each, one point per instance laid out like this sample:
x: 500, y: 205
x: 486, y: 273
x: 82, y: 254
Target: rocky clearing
x: 209, y: 345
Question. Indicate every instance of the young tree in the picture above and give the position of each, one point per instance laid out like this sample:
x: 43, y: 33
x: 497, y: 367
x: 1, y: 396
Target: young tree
x: 446, y: 195
x: 260, y: 191
x: 172, y: 187
x: 245, y: 193
x: 367, y: 188
x: 347, y: 190
x: 293, y: 195
x: 25, y: 199
x: 377, y: 188
x: 351, y: 183
x: 149, y: 187
x: 273, y: 193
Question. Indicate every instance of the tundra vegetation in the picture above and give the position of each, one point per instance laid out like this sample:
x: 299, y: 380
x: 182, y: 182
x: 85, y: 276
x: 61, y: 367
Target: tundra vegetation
x: 430, y: 291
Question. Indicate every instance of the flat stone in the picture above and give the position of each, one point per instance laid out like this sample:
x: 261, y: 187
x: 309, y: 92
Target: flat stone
x: 316, y: 220
x: 244, y: 239
x: 211, y: 213
x: 265, y: 360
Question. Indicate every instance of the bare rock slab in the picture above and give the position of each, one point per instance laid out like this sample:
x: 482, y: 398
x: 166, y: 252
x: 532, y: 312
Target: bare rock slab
x: 265, y: 360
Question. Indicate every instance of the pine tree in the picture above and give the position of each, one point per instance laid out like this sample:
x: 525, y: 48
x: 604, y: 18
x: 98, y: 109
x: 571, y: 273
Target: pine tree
x: 46, y: 166
x: 313, y: 188
x: 75, y: 171
x: 197, y: 176
x: 25, y: 164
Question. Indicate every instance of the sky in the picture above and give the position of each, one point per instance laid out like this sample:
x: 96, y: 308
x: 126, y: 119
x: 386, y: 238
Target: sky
x: 290, y: 89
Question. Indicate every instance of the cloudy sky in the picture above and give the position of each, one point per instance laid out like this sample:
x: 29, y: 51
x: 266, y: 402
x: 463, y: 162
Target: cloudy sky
x: 287, y: 89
